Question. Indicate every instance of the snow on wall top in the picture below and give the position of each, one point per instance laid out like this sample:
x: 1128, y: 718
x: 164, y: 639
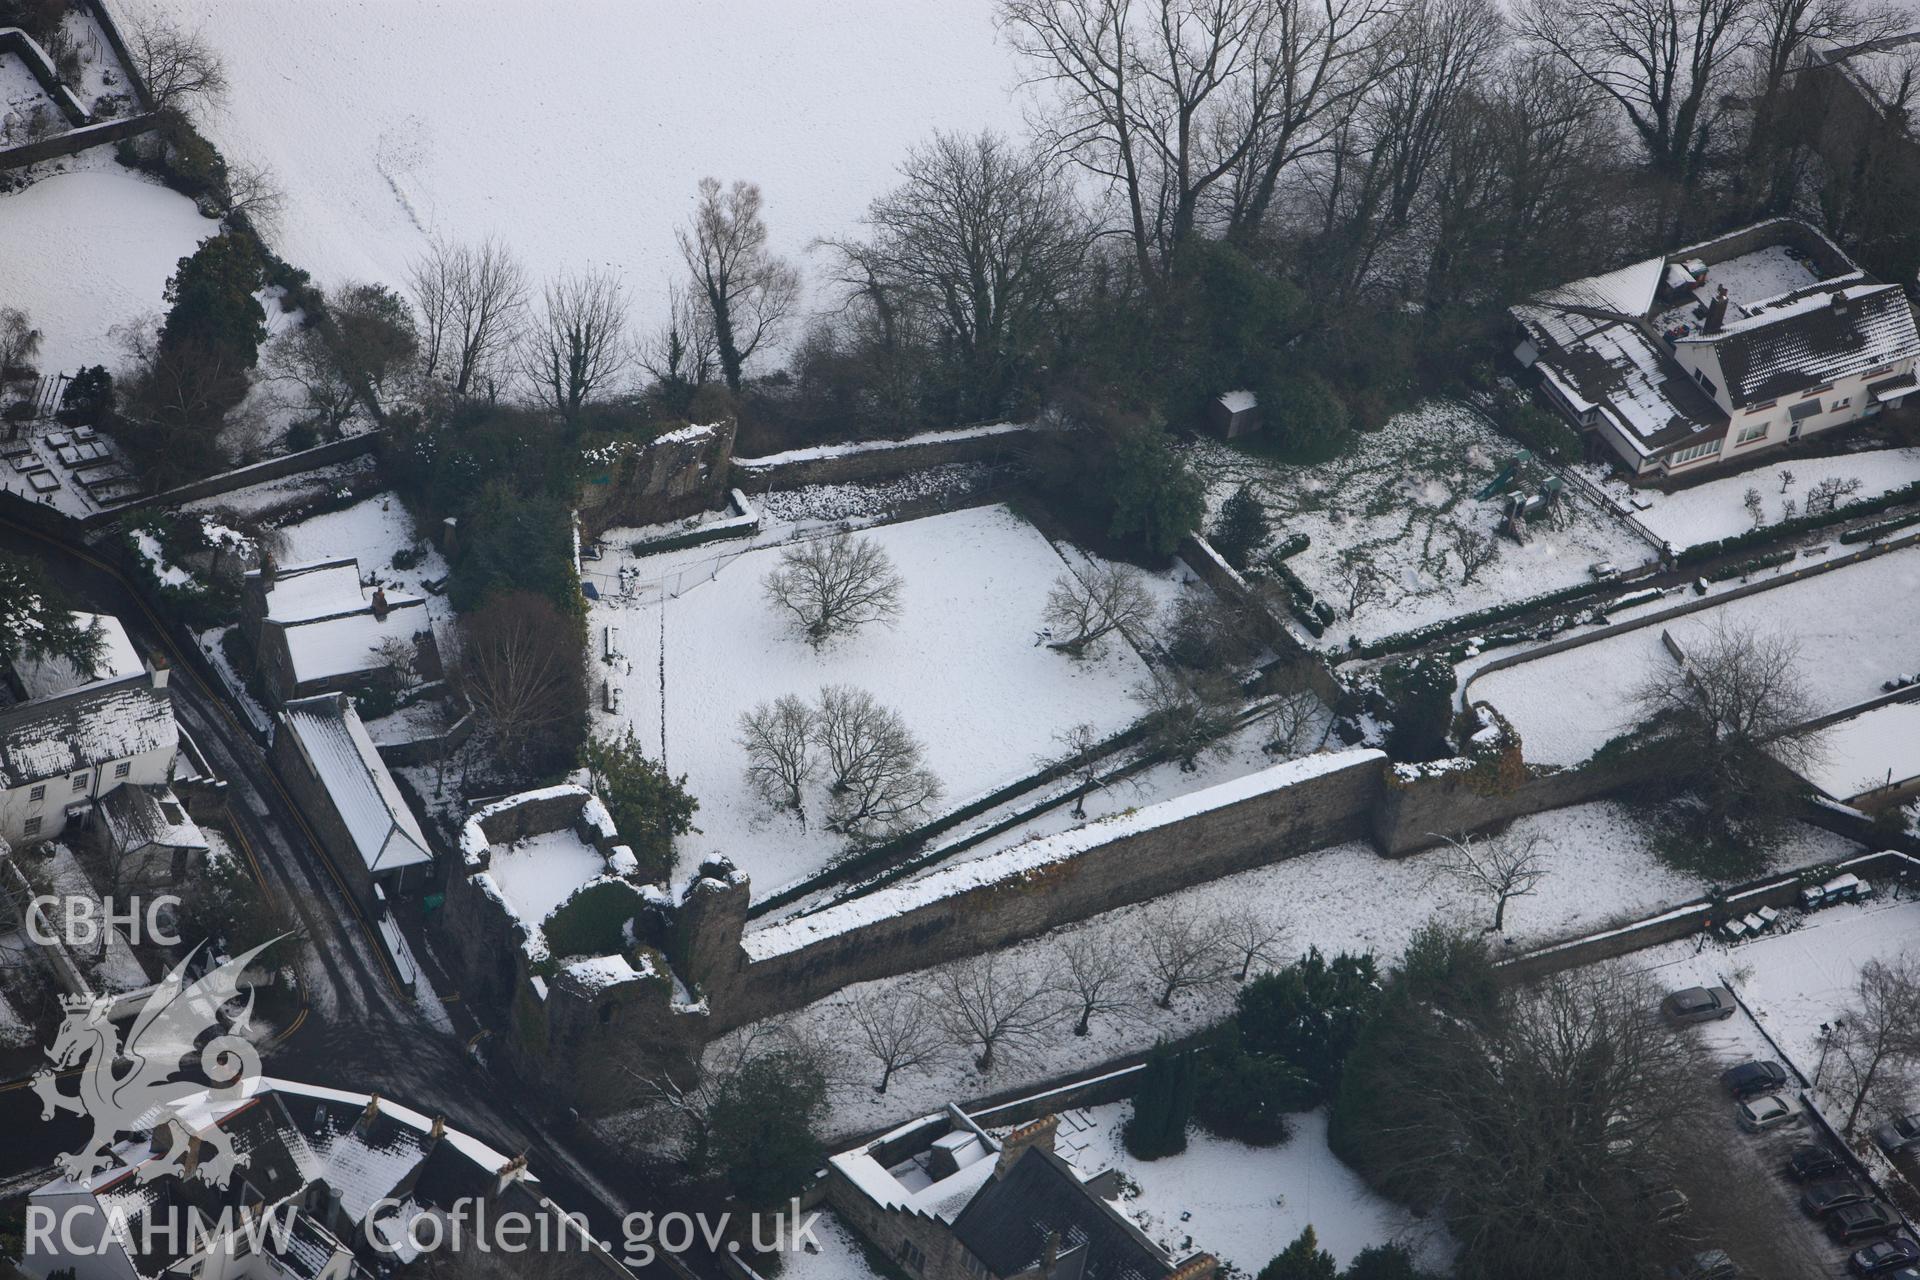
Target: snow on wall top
x: 329, y: 734
x: 473, y: 833
x: 802, y: 931
x: 819, y: 452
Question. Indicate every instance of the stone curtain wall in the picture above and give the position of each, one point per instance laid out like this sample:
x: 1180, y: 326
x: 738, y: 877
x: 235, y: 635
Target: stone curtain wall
x: 670, y: 478
x: 1187, y: 846
x: 879, y: 459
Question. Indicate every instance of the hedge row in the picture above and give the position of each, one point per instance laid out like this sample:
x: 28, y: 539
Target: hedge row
x: 1867, y: 533
x: 1292, y: 545
x: 1314, y: 614
x: 1755, y: 565
x: 1800, y: 524
x: 1479, y: 618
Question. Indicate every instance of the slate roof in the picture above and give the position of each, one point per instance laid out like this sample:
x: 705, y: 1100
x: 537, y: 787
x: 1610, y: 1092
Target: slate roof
x: 1811, y: 342
x: 329, y: 734
x: 92, y: 725
x: 1008, y: 1223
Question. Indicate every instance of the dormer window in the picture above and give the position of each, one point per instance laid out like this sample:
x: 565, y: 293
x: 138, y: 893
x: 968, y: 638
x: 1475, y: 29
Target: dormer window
x: 1706, y: 383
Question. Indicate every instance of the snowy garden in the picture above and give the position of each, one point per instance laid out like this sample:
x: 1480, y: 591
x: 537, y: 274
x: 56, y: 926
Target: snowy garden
x: 964, y: 664
x: 1397, y: 537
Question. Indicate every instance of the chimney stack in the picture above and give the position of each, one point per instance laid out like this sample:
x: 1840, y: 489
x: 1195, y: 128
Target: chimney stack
x: 1717, y: 311
x: 439, y: 1129
x: 1014, y: 1145
x: 1841, y: 303
x: 268, y: 570
x: 379, y: 604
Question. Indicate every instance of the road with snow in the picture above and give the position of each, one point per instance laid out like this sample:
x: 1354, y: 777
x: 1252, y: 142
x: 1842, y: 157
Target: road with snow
x: 358, y: 1030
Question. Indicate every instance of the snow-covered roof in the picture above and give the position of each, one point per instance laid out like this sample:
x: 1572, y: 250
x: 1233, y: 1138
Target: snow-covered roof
x: 1812, y: 337
x: 909, y: 1183
x: 327, y: 648
x: 1239, y: 401
x: 89, y: 726
x: 138, y: 816
x: 322, y: 589
x: 1627, y: 291
x: 46, y: 677
x: 329, y: 734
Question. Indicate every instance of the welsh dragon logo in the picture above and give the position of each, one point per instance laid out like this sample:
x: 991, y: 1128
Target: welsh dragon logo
x: 130, y: 1086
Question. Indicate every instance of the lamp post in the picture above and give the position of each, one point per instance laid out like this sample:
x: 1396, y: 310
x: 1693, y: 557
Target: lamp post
x: 1826, y: 1043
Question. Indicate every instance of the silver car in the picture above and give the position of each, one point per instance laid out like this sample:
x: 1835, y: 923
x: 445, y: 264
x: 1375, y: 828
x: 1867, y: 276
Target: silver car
x: 1700, y: 1004
x: 1768, y: 1111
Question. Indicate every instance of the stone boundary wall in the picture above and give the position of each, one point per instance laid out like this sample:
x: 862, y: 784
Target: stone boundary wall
x: 1669, y: 926
x: 16, y: 41
x: 74, y: 141
x: 1298, y: 666
x: 111, y: 30
x: 1187, y: 842
x: 670, y: 477
x: 879, y: 459
x: 240, y: 477
x: 1696, y: 605
x: 1415, y: 814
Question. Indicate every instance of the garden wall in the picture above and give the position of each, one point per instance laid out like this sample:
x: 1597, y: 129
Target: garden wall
x: 877, y: 459
x: 668, y: 478
x: 1281, y: 812
x: 1298, y: 666
x: 240, y: 477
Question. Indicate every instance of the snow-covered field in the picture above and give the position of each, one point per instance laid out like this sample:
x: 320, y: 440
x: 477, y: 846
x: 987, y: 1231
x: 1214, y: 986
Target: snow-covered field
x: 1244, y: 1204
x: 87, y: 250
x: 962, y: 666
x: 1717, y: 509
x: 1600, y: 873
x: 578, y: 133
x: 1396, y: 498
x: 1876, y: 748
x: 1853, y: 626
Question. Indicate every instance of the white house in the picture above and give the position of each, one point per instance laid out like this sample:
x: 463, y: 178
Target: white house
x: 1721, y: 350
x: 70, y: 738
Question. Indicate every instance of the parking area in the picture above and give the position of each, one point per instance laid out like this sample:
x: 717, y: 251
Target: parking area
x: 1743, y: 1198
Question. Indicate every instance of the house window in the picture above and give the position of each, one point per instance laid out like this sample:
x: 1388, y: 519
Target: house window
x: 1755, y: 432
x: 32, y: 828
x: 1763, y: 404
x: 910, y: 1254
x: 1706, y: 382
x: 38, y: 793
x: 1689, y: 455
x: 975, y: 1268
x: 1814, y: 391
x: 80, y: 782
x: 122, y: 769
x: 1841, y: 403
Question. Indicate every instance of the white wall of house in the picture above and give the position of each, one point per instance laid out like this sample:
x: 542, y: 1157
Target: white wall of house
x: 38, y: 810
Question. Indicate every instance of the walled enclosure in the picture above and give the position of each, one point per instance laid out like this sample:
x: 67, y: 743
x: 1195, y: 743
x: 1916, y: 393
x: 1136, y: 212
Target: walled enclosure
x: 668, y: 478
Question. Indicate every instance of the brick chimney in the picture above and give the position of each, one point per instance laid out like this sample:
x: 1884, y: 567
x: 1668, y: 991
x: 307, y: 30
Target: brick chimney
x: 379, y: 604
x: 1717, y: 311
x: 439, y: 1129
x: 1841, y: 302
x: 1200, y: 1266
x: 269, y: 568
x: 1014, y: 1145
x: 160, y: 671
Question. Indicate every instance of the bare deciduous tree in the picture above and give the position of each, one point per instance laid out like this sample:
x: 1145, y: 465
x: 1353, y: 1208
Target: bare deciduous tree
x: 1292, y: 721
x: 778, y: 738
x: 876, y: 779
x: 835, y: 586
x: 1186, y: 719
x: 1360, y: 584
x: 1251, y: 937
x: 1877, y: 1039
x: 1079, y: 747
x: 579, y: 346
x: 994, y: 1007
x: 472, y: 301
x: 255, y: 194
x: 683, y: 353
x: 894, y: 1026
x: 749, y: 292
x: 1502, y: 867
x: 1476, y: 551
x: 1182, y: 950
x: 180, y: 69
x: 1096, y: 976
x: 1084, y: 608
x: 19, y: 341
x: 514, y: 669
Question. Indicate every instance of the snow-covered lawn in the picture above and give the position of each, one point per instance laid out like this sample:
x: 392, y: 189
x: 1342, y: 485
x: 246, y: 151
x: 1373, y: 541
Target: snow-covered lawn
x: 578, y: 132
x: 1244, y: 1204
x: 839, y: 1256
x: 1343, y: 898
x: 87, y: 250
x: 962, y: 666
x: 1876, y: 748
x: 1855, y: 627
x: 539, y: 872
x: 1717, y: 509
x: 1396, y: 498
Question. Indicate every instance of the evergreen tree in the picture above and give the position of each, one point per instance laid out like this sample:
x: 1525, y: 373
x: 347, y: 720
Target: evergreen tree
x: 1382, y: 1262
x: 1156, y: 499
x: 1162, y: 1105
x: 213, y: 307
x: 1310, y: 1013
x: 1304, y: 1259
x: 761, y: 1127
x: 649, y: 807
x: 1242, y: 528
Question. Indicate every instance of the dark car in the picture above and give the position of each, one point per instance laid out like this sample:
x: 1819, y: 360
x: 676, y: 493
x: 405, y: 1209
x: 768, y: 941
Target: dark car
x: 1830, y: 1193
x: 1750, y: 1079
x: 1699, y: 1004
x: 1809, y: 1161
x: 1860, y: 1221
x: 1711, y: 1265
x: 1883, y: 1256
x: 1898, y: 1135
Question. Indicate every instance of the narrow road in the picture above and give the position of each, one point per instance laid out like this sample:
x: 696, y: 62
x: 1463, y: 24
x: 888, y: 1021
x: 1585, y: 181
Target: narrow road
x: 358, y: 1029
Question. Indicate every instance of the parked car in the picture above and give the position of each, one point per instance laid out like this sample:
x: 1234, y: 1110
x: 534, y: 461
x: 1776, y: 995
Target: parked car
x: 1711, y: 1265
x: 1700, y: 1004
x: 1810, y: 1161
x: 1768, y: 1111
x: 1861, y: 1221
x: 1899, y: 1134
x: 1842, y: 888
x: 1751, y: 1078
x: 1830, y: 1193
x: 1883, y: 1256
